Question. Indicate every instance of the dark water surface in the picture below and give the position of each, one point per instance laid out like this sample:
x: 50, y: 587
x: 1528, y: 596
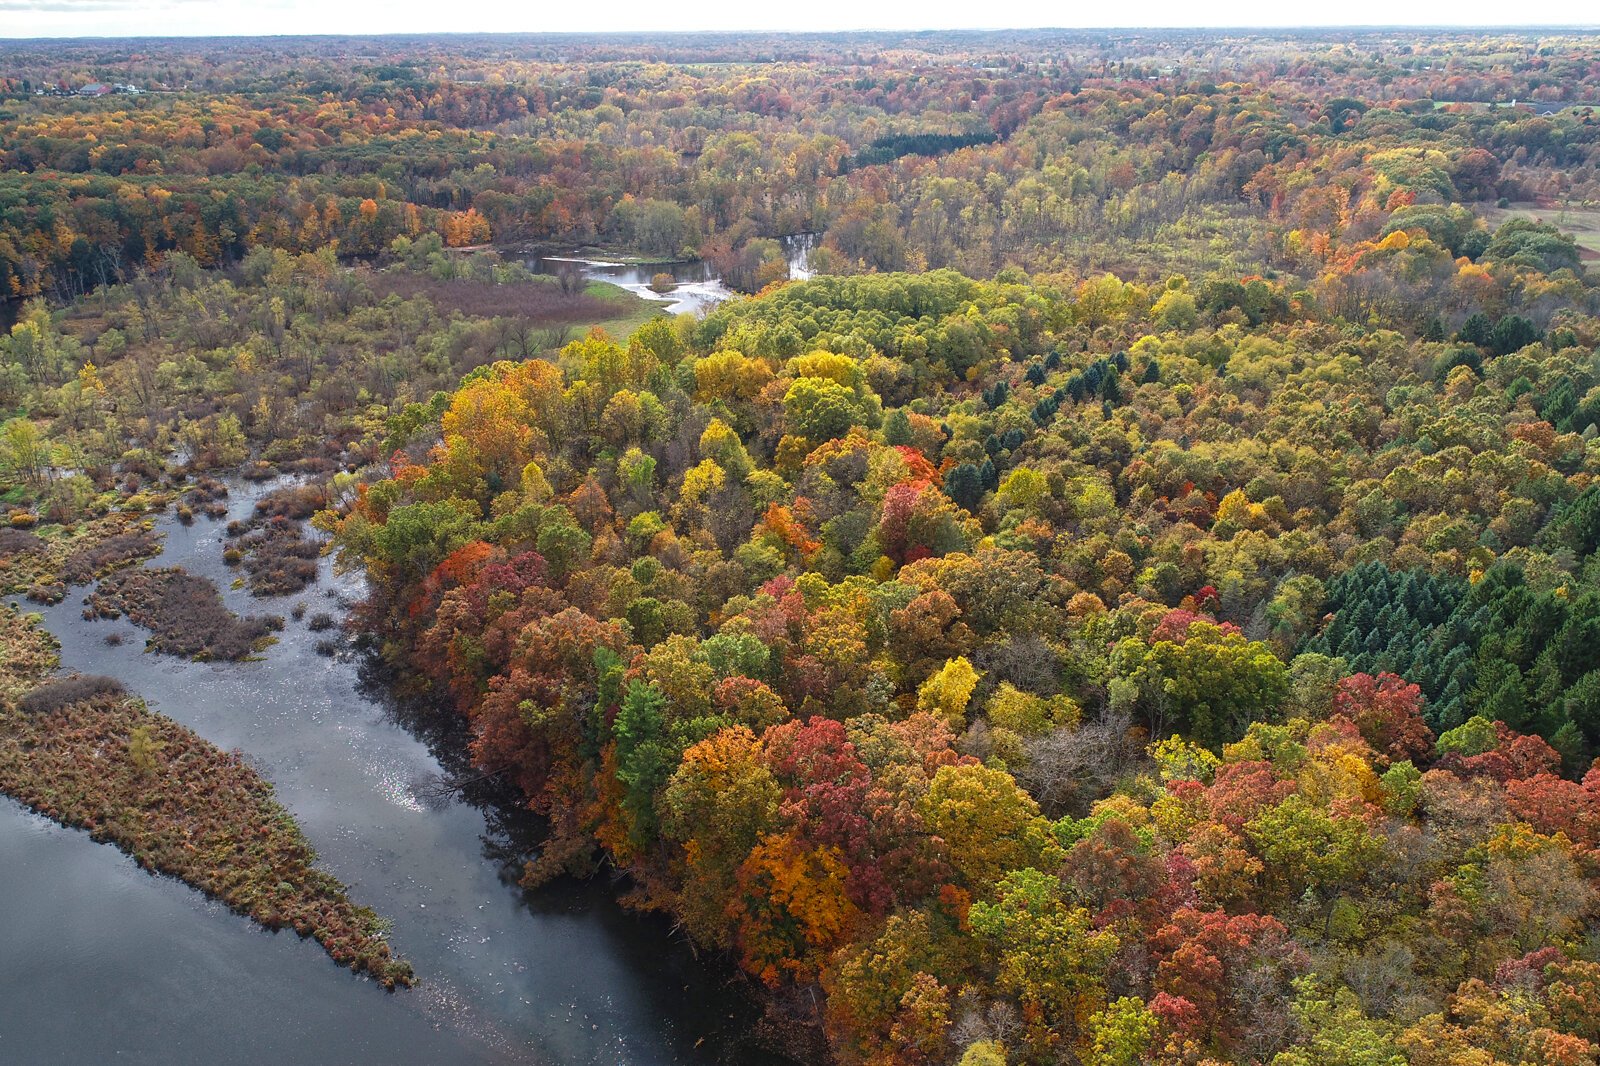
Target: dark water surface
x: 102, y: 962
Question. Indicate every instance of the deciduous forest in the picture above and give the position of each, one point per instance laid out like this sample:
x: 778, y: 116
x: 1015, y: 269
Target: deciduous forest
x: 1133, y: 597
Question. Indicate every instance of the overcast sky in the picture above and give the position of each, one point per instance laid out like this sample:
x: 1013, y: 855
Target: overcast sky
x: 79, y: 18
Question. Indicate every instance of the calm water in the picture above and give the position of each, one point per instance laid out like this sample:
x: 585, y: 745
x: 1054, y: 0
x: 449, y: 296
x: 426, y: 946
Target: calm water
x: 699, y: 287
x: 100, y: 961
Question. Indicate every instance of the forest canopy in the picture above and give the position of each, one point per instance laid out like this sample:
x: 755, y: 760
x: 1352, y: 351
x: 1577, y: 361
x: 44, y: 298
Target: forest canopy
x: 1131, y: 596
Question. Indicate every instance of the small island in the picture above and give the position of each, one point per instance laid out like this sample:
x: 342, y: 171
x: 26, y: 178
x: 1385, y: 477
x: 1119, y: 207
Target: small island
x: 81, y: 751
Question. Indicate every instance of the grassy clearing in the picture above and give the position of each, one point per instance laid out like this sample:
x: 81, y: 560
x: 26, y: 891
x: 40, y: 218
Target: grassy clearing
x: 629, y: 311
x: 1580, y: 220
x: 538, y: 299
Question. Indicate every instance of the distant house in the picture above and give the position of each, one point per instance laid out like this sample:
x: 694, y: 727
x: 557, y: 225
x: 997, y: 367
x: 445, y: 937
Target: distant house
x: 1557, y: 108
x: 94, y: 88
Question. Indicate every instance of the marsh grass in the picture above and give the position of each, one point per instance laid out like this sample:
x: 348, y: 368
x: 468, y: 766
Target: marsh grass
x: 83, y: 754
x: 184, y: 613
x: 74, y: 555
x: 294, y: 502
x: 278, y: 560
x: 102, y: 556
x: 27, y: 653
x: 277, y: 557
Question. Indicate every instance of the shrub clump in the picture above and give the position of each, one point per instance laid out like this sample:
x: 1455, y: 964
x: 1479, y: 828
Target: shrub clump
x: 47, y: 592
x: 207, y: 496
x: 54, y: 695
x: 294, y: 502
x: 18, y: 542
x: 102, y: 556
x: 277, y: 559
x: 184, y: 613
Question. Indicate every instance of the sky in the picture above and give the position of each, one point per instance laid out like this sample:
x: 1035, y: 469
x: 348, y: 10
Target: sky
x: 112, y: 18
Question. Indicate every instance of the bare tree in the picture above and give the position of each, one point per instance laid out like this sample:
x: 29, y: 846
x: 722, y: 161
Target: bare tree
x: 1069, y: 768
x: 553, y: 338
x: 570, y: 275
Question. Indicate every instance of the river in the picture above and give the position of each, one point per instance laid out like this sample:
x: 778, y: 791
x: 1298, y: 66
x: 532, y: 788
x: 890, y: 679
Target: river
x: 101, y: 961
x: 698, y: 288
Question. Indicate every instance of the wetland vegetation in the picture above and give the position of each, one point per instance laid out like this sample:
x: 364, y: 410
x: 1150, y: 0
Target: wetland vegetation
x: 1105, y: 570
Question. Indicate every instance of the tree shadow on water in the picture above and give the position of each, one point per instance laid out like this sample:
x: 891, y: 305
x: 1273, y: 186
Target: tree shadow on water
x: 712, y: 1012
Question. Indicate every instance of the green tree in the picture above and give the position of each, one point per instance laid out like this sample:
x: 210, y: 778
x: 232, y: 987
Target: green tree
x: 1047, y: 953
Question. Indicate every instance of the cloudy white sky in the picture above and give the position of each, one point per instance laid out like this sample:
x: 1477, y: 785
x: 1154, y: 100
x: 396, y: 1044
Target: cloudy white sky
x: 79, y: 18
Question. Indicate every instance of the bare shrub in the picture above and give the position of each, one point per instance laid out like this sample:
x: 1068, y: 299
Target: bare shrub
x: 569, y: 276
x: 18, y: 541
x: 55, y: 695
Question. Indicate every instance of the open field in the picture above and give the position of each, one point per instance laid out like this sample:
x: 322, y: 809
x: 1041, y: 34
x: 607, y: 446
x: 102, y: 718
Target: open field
x: 628, y: 312
x: 539, y: 300
x: 1581, y: 220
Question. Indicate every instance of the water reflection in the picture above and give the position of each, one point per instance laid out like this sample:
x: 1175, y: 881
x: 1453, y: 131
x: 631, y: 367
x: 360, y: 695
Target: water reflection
x: 98, y: 960
x: 697, y: 289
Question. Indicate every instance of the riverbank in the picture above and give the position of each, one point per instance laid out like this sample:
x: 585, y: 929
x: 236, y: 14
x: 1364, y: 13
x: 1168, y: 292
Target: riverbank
x: 43, y: 562
x: 562, y: 975
x: 697, y: 284
x: 384, y: 793
x: 89, y: 755
x: 86, y: 754
x: 540, y: 300
x: 589, y: 253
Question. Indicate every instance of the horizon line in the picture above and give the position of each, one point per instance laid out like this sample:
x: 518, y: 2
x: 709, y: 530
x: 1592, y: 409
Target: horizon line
x: 1265, y: 29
